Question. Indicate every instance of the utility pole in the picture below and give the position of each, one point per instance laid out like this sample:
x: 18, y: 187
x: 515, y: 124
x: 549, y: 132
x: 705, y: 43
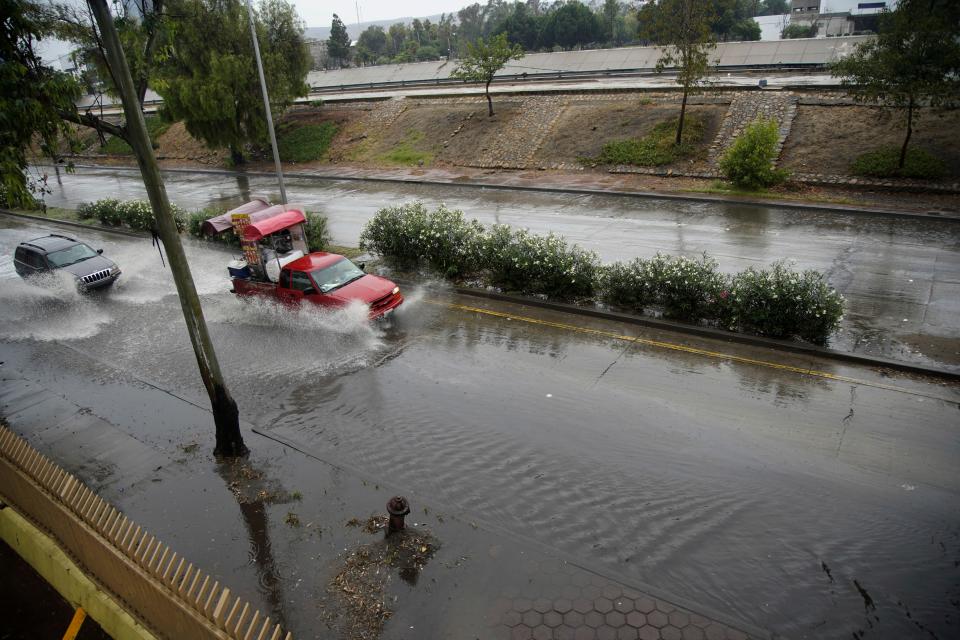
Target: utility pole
x: 225, y: 413
x: 266, y: 103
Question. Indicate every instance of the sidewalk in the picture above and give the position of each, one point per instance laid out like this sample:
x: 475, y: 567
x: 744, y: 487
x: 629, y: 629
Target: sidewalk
x: 286, y: 529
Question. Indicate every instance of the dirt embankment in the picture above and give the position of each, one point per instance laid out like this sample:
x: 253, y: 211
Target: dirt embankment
x: 557, y: 133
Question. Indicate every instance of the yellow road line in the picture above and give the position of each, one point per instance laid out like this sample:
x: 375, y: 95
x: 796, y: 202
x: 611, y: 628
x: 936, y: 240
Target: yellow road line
x: 686, y: 349
x: 78, y: 617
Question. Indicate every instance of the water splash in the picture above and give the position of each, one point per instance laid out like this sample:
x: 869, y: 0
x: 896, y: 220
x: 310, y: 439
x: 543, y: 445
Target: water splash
x: 49, y: 307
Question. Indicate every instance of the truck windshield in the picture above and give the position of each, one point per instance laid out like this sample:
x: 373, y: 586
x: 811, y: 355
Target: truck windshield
x: 336, y: 275
x: 66, y: 257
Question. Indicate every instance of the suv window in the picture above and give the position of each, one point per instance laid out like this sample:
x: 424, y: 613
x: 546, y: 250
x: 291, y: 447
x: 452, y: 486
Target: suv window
x: 300, y: 281
x: 30, y: 258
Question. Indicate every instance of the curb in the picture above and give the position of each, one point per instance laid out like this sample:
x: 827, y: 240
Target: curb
x: 49, y: 560
x: 760, y: 202
x: 716, y: 334
x: 655, y: 323
x: 78, y: 225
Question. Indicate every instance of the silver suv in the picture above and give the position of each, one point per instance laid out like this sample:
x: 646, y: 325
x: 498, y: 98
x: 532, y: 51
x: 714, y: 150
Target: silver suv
x: 56, y: 252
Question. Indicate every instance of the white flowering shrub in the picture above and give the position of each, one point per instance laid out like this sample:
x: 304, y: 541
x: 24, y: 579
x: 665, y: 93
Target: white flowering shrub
x: 136, y: 214
x: 783, y: 303
x: 442, y: 239
x: 685, y: 289
x: 519, y: 260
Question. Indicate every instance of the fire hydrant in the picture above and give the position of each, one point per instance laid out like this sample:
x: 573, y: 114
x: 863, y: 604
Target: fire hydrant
x: 397, y: 507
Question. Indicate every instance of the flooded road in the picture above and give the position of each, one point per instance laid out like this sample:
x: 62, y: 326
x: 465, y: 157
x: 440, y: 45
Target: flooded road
x: 803, y: 505
x: 901, y: 277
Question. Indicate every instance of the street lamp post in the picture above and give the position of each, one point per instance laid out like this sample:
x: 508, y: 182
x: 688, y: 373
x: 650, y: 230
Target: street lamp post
x: 266, y: 104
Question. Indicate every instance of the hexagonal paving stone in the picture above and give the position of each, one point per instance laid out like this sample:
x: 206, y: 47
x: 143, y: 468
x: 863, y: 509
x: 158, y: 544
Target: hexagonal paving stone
x: 636, y: 619
x: 644, y: 605
x: 584, y: 633
x: 562, y: 605
x: 670, y: 632
x: 532, y: 619
x: 691, y: 632
x: 542, y: 605
x: 564, y: 633
x: 626, y: 633
x: 666, y: 607
x: 612, y: 591
x: 734, y: 634
x: 603, y: 605
x: 679, y: 619
x: 616, y: 619
x: 715, y: 632
x: 623, y: 605
x: 521, y: 632
x: 512, y: 618
x: 606, y: 633
x: 542, y: 633
x: 582, y: 605
x: 699, y: 620
x: 593, y: 619
x: 552, y: 619
x: 573, y: 619
x: 522, y: 604
x: 647, y: 632
x: 658, y: 619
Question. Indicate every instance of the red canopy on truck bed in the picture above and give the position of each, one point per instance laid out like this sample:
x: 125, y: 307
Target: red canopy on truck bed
x: 282, y: 220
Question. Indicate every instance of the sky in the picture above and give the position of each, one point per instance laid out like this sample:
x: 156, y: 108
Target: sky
x: 319, y: 14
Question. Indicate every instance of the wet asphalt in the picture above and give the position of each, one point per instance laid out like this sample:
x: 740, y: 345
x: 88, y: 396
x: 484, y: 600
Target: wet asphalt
x: 796, y: 503
x: 901, y: 277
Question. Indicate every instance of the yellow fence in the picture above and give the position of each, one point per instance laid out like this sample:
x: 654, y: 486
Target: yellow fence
x: 169, y: 595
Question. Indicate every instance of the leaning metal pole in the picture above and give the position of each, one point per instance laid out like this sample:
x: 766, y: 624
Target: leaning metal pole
x: 225, y: 414
x: 266, y: 103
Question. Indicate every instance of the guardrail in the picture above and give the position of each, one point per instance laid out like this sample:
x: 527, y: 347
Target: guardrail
x: 169, y: 595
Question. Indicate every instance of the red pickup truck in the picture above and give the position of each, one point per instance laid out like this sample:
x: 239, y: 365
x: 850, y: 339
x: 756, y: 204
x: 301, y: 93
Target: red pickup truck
x: 273, y: 240
x: 329, y: 280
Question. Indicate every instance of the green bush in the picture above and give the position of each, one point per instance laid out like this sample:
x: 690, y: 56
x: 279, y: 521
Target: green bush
x: 136, y: 214
x: 656, y: 148
x: 882, y: 163
x: 782, y: 303
x: 518, y: 260
x: 316, y: 229
x: 410, y: 234
x: 775, y: 302
x: 748, y: 163
x: 304, y: 143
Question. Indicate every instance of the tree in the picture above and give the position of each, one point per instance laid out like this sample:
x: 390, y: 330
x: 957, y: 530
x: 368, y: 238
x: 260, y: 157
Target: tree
x: 792, y: 31
x: 914, y: 61
x: 338, y: 45
x: 609, y: 12
x: 569, y: 25
x: 682, y: 28
x: 208, y: 79
x: 24, y: 29
x: 31, y: 98
x: 484, y: 59
x: 371, y: 44
x: 773, y: 8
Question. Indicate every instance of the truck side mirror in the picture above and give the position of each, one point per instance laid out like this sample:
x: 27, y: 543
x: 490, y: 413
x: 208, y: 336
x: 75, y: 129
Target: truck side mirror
x: 363, y: 266
x: 309, y: 291
x: 99, y: 251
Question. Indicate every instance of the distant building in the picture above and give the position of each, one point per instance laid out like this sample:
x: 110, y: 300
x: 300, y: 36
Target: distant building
x: 839, y: 17
x: 318, y: 51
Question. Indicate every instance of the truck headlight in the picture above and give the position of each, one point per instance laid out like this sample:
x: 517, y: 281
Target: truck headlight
x: 114, y: 270
x: 395, y: 291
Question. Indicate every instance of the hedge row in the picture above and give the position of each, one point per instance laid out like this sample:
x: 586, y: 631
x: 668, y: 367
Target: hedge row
x: 776, y: 301
x: 138, y: 214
